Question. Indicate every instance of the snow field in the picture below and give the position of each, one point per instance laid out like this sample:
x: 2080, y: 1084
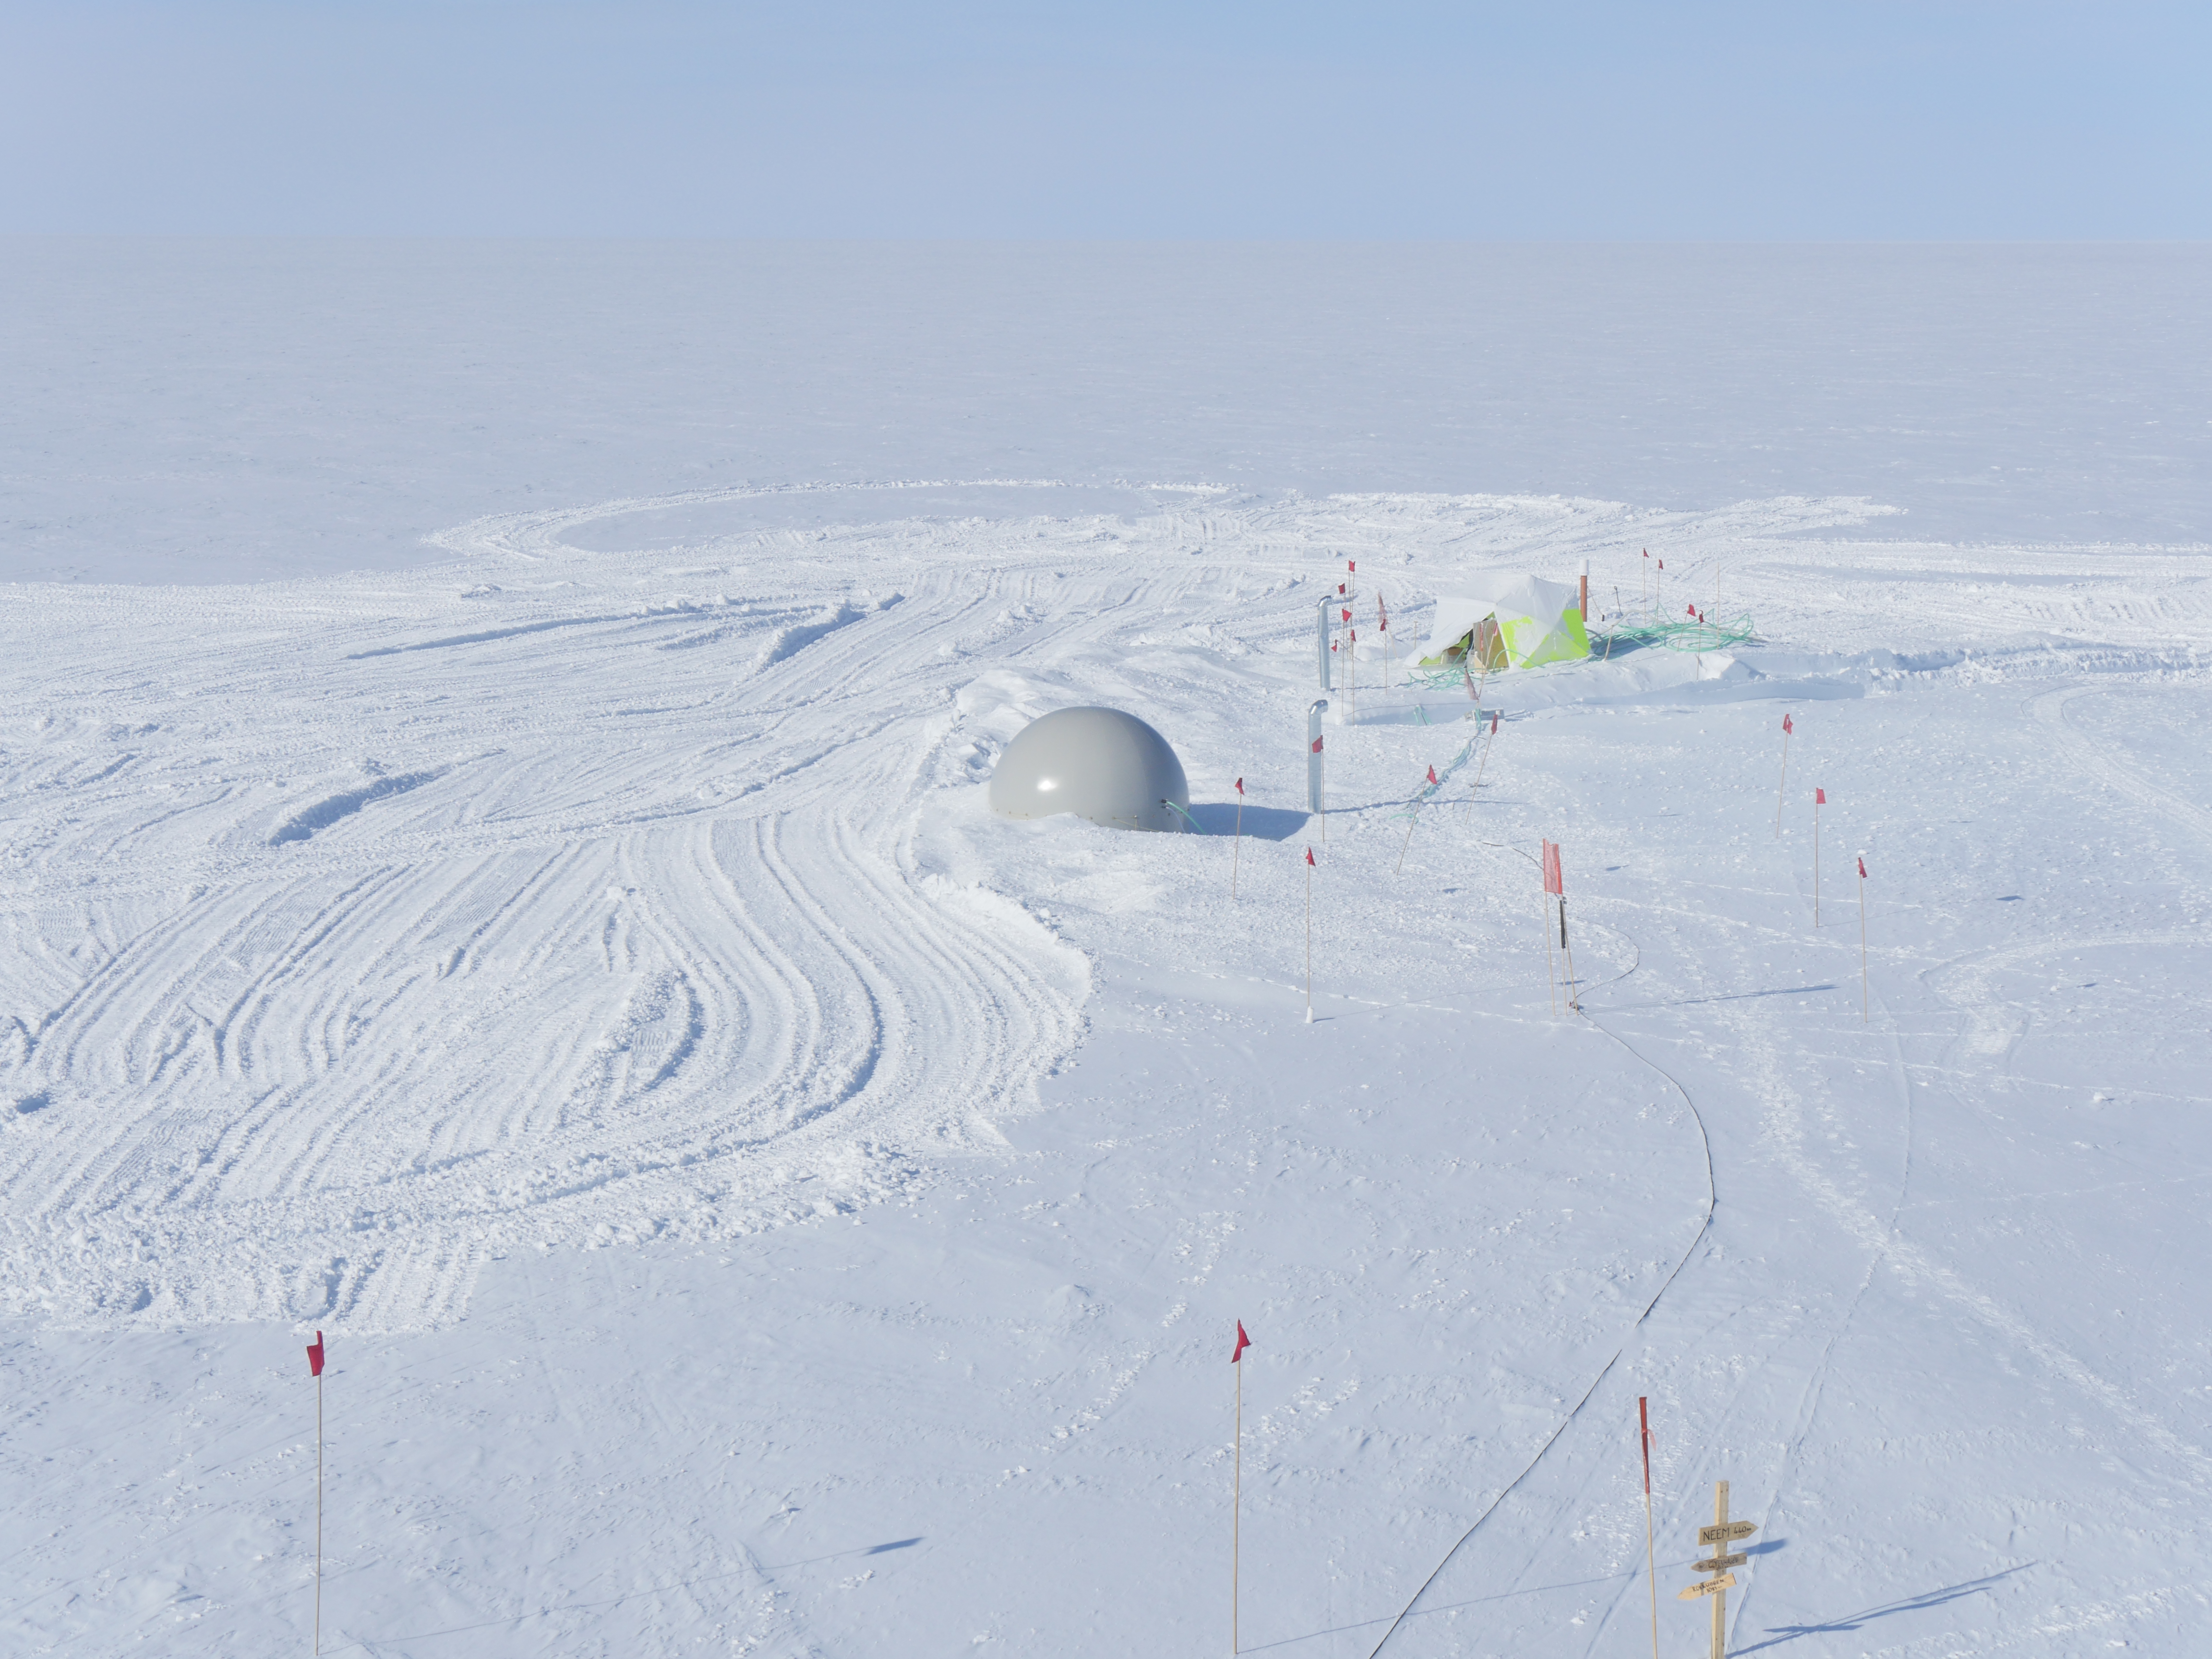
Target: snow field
x: 760, y: 1202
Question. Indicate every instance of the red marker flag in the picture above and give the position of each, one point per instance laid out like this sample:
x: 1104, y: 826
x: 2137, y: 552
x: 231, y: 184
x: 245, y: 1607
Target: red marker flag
x: 1862, y: 874
x: 1554, y: 880
x: 1383, y: 611
x: 1646, y: 552
x: 1351, y: 565
x: 315, y: 1356
x: 1309, y: 860
x: 1242, y: 1343
x: 1316, y: 748
x: 1786, y: 725
x: 1820, y: 797
x: 1493, y: 725
x: 1690, y: 609
x: 1240, y: 786
x: 1432, y: 774
x: 1662, y: 564
x: 1347, y: 615
x: 1339, y: 587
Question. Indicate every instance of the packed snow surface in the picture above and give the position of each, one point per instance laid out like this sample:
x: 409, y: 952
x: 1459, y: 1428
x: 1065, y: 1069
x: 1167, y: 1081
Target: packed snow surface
x: 227, y: 410
x: 759, y: 1201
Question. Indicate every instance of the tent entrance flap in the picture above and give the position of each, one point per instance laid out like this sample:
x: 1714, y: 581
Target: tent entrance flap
x: 1519, y: 622
x: 1482, y: 646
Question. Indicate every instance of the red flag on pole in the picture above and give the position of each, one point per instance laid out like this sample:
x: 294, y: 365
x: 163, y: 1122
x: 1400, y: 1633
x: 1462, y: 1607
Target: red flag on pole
x: 1646, y: 552
x: 1317, y: 746
x: 1690, y: 609
x: 1493, y: 725
x: 1240, y: 786
x: 1242, y: 1343
x: 1820, y: 797
x: 1352, y: 565
x: 1786, y: 725
x: 1662, y: 564
x: 1862, y: 874
x: 315, y: 1356
x: 1383, y: 611
x: 1309, y: 860
x: 1554, y: 881
x: 1432, y: 774
x: 1347, y: 615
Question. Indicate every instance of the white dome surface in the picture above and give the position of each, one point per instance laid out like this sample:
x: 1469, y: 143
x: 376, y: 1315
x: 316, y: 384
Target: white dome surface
x: 1098, y: 763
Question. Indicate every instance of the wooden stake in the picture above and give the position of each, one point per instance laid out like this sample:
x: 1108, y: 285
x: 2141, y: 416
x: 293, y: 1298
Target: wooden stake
x: 1236, y: 1512
x: 1650, y: 1555
x: 1720, y: 1596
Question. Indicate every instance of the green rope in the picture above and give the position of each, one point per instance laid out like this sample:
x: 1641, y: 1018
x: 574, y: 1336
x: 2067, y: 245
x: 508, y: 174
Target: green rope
x: 1690, y: 636
x: 1186, y: 816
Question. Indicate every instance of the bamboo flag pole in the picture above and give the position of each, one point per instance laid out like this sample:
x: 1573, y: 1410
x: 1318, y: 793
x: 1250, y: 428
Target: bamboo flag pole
x: 1555, y: 884
x: 1567, y: 955
x: 1650, y: 1554
x: 1866, y: 996
x: 1784, y: 785
x: 1351, y: 642
x: 1820, y: 799
x: 1550, y: 974
x: 1482, y: 763
x: 1236, y: 847
x: 1309, y: 870
x: 315, y: 1368
x: 1236, y: 1490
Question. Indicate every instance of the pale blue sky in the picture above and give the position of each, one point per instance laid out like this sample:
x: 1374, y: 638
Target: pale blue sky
x: 1583, y: 120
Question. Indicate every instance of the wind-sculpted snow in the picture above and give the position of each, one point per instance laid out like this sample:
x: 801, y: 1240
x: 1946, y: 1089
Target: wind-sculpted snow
x: 364, y: 929
x: 596, y: 889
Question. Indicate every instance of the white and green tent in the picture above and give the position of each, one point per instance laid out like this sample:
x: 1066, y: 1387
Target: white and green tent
x: 1499, y: 621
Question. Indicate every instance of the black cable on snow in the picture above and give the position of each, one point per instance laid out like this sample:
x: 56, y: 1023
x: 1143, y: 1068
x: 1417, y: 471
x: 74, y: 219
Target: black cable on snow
x: 1704, y: 1227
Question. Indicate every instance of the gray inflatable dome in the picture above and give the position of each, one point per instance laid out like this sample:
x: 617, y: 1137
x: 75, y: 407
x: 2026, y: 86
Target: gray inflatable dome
x: 1098, y: 763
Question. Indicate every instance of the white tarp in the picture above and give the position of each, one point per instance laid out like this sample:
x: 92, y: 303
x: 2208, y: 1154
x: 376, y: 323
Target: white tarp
x: 1505, y: 596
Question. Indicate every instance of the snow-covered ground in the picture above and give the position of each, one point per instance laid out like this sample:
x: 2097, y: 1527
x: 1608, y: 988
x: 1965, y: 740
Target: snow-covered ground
x: 224, y: 411
x: 758, y: 1201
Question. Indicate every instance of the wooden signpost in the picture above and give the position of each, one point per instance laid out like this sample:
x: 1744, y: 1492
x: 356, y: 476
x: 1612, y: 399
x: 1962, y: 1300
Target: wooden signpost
x: 1722, y: 1533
